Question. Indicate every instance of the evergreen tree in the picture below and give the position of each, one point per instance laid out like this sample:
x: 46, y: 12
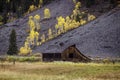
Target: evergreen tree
x: 12, y: 44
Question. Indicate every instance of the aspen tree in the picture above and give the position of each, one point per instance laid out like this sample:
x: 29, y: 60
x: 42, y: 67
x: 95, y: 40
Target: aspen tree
x: 60, y: 24
x: 37, y: 22
x: 43, y: 38
x: 74, y: 1
x: 50, y: 36
x: 32, y: 8
x: 82, y: 22
x: 91, y: 17
x: 40, y: 3
x: 47, y: 13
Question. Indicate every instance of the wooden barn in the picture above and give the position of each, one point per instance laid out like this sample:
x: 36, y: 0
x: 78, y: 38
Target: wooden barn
x: 69, y: 54
x: 73, y: 54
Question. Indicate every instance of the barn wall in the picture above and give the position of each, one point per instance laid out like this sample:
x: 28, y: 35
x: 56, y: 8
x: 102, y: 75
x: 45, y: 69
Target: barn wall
x: 76, y: 55
x: 51, y: 56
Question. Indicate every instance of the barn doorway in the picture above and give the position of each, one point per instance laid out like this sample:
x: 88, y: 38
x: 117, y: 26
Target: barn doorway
x: 71, y: 55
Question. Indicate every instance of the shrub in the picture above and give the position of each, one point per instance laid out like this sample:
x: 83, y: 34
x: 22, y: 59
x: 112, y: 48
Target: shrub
x: 11, y: 58
x: 106, y: 60
x: 21, y: 59
x: 29, y: 59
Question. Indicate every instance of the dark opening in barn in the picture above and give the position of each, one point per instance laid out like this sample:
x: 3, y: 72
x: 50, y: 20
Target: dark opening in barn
x: 51, y: 56
x: 71, y: 55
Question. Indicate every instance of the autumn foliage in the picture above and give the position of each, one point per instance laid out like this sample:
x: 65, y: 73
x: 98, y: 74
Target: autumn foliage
x: 63, y: 25
x: 47, y: 13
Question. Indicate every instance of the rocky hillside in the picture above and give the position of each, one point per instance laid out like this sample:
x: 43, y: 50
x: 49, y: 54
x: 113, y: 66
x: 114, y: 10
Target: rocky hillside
x: 57, y: 8
x: 99, y: 38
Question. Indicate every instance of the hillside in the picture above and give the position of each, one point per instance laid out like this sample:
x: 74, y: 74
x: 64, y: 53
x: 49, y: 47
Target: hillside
x: 64, y: 8
x: 100, y: 38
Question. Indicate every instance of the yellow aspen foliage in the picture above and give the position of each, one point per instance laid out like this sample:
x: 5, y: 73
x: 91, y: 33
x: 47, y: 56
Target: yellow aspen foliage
x: 67, y: 23
x: 59, y: 32
x: 32, y: 8
x: 75, y: 20
x: 29, y: 40
x: 78, y: 5
x: 43, y: 38
x: 50, y: 36
x: 74, y: 1
x: 36, y: 37
x: 75, y: 24
x: 60, y: 24
x: 56, y: 26
x: 37, y: 44
x: 47, y: 13
x: 61, y: 21
x: 26, y: 45
x: 66, y: 27
x: 40, y: 3
x: 26, y: 49
x: 31, y: 23
x: 33, y: 37
x: 37, y: 17
x: 82, y: 22
x: 30, y: 17
x: 72, y: 16
x: 67, y: 18
x: 91, y: 17
x: 75, y: 13
x: 32, y: 34
x: 37, y: 20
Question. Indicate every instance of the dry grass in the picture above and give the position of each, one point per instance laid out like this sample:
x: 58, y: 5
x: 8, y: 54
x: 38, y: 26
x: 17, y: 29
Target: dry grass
x: 59, y: 71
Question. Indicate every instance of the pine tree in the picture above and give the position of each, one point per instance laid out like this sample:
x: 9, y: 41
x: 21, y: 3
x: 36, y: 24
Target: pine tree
x: 12, y: 44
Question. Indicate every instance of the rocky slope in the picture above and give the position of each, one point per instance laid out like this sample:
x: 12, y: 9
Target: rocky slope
x: 99, y: 38
x: 57, y: 8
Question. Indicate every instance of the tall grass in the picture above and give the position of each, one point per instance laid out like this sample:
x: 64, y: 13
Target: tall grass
x: 59, y: 71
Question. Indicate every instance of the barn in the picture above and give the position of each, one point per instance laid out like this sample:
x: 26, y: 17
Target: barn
x: 69, y: 54
x: 51, y: 57
x: 73, y: 54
